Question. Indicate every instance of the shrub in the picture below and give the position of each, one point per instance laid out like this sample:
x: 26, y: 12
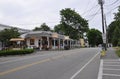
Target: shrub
x: 16, y: 52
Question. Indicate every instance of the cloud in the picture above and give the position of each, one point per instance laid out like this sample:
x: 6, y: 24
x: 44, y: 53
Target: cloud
x: 33, y: 13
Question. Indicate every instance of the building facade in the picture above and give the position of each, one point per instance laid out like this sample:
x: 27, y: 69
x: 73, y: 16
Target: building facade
x: 45, y: 40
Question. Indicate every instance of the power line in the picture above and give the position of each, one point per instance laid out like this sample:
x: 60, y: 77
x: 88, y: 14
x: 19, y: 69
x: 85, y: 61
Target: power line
x: 112, y: 10
x: 89, y: 10
x: 112, y: 3
x: 93, y: 16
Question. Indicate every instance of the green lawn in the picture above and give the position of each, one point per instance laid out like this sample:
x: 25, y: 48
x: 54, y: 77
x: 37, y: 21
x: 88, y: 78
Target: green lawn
x: 118, y: 51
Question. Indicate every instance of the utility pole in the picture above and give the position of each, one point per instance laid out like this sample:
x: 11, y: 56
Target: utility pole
x: 101, y: 2
x: 106, y: 32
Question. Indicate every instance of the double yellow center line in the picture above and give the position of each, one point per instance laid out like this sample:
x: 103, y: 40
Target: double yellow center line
x: 35, y: 63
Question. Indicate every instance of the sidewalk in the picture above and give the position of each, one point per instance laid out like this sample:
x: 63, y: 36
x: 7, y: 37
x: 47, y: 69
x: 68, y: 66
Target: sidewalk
x: 110, y: 65
x: 110, y: 54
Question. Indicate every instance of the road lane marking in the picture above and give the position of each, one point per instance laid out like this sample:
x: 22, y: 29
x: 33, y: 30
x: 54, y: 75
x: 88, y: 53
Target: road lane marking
x: 107, y: 60
x: 57, y: 57
x: 84, y: 66
x: 111, y: 62
x: 111, y: 75
x: 23, y: 67
x: 35, y: 63
x: 111, y: 69
x: 31, y: 57
x: 20, y: 59
x: 100, y: 69
x: 112, y: 65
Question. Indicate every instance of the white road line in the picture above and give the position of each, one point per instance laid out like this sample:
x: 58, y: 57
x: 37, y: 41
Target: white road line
x: 111, y: 69
x: 111, y: 75
x: 84, y: 66
x: 100, y: 70
x: 112, y: 65
x: 119, y: 59
x: 111, y: 62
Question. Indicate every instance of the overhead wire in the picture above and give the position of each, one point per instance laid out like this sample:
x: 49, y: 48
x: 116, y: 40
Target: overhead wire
x: 112, y: 3
x: 89, y: 10
x: 94, y: 15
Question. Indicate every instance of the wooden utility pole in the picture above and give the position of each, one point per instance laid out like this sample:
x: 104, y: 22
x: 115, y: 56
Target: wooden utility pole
x: 101, y: 2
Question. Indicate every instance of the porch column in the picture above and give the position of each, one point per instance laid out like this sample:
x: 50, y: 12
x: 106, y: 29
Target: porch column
x: 67, y: 42
x: 54, y: 42
x: 76, y: 43
x: 70, y: 44
x: 36, y: 42
x: 59, y: 44
x: 63, y: 44
x: 48, y: 42
x: 41, y: 43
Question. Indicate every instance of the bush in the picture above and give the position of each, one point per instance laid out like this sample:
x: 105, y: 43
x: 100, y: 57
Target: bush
x: 16, y: 52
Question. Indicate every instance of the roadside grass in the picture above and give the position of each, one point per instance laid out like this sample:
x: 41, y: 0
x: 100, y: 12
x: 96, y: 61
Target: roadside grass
x: 103, y: 53
x: 117, y: 51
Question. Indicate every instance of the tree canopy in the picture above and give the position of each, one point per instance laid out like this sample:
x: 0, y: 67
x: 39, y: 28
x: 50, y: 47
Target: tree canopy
x: 94, y: 37
x: 43, y: 27
x: 72, y: 24
x: 7, y: 34
x: 113, y: 29
x: 117, y: 15
x: 116, y: 36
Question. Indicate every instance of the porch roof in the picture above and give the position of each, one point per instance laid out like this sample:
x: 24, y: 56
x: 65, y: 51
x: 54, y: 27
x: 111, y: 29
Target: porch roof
x: 42, y: 33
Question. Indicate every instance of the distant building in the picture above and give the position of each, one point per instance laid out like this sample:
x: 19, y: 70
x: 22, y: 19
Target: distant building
x: 2, y: 27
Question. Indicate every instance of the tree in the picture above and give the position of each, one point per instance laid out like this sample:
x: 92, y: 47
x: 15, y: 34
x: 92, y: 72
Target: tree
x: 113, y: 29
x: 116, y: 36
x: 59, y: 29
x: 72, y: 23
x: 43, y: 27
x: 94, y: 37
x: 7, y: 34
x: 119, y: 42
x: 117, y: 15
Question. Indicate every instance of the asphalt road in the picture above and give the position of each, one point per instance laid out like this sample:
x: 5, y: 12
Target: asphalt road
x: 71, y: 64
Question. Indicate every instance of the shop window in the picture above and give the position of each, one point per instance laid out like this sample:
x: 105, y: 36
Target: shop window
x: 31, y: 41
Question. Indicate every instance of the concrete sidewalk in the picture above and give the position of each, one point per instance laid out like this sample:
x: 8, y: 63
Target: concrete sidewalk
x: 110, y: 54
x: 110, y: 65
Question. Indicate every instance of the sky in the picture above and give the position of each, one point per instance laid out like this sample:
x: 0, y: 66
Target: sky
x: 28, y: 14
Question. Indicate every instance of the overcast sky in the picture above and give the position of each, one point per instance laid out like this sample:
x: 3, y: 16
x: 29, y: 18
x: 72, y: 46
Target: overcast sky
x: 30, y: 13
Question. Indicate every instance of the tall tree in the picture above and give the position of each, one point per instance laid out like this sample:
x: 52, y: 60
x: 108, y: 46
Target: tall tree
x: 94, y: 37
x: 116, y: 36
x: 117, y: 15
x: 43, y: 27
x: 113, y: 29
x: 7, y: 34
x: 59, y: 29
x: 72, y: 23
